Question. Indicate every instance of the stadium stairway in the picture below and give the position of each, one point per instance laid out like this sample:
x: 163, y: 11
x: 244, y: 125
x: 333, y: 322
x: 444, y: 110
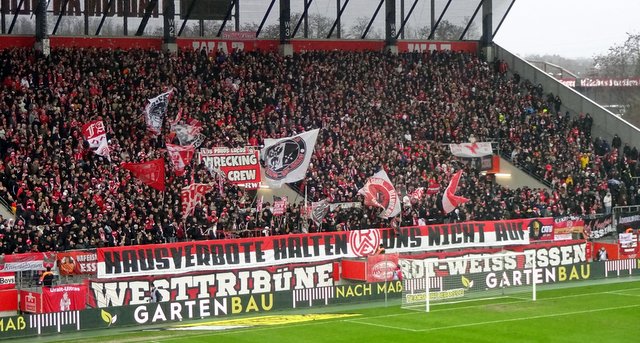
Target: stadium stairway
x: 5, y: 211
x: 512, y: 177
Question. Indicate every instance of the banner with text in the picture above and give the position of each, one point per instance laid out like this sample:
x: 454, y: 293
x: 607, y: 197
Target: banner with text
x: 630, y: 220
x: 599, y: 227
x: 184, y: 257
x: 77, y: 262
x: 568, y: 227
x: 136, y: 290
x: 27, y: 261
x: 63, y: 298
x: 241, y: 166
x: 7, y: 280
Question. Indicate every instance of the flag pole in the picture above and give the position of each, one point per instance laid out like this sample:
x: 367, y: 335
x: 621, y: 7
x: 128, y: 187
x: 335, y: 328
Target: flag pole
x: 305, y: 200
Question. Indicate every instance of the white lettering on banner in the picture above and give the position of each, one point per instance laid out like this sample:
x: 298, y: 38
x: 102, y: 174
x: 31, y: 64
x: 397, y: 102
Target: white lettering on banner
x: 228, y: 283
x: 241, y: 175
x: 201, y: 308
x: 552, y: 255
x: 241, y: 166
x: 234, y: 161
x: 202, y: 256
x: 524, y: 277
x: 224, y: 46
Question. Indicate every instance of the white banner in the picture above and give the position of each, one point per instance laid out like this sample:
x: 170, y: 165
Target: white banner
x: 471, y: 149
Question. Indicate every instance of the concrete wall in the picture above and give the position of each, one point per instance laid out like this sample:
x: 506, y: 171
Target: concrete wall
x: 605, y: 123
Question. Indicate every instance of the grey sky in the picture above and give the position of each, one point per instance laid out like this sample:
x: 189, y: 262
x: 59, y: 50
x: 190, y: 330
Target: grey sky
x: 570, y: 28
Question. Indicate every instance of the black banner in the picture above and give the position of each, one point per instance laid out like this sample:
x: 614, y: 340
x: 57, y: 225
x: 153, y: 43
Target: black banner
x: 599, y: 228
x: 629, y: 220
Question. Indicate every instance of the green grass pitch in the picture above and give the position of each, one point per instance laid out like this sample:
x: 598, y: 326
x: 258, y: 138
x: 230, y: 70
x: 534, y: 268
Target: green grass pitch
x: 595, y: 313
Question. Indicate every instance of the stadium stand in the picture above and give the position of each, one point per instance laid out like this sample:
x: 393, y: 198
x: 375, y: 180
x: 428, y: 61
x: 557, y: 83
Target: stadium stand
x: 375, y: 110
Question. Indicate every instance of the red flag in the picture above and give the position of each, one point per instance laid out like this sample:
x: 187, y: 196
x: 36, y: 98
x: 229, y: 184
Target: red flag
x: 151, y: 172
x: 449, y: 200
x: 192, y: 195
x: 180, y: 157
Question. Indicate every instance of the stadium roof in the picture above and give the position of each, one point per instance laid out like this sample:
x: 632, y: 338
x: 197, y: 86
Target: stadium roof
x: 455, y: 19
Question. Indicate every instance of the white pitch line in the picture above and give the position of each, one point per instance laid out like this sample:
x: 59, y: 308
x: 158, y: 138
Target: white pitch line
x: 380, y: 325
x: 623, y: 294
x: 506, y: 297
x: 531, y: 317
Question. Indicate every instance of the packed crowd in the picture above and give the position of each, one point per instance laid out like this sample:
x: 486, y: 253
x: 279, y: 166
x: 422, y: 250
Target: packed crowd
x: 376, y: 110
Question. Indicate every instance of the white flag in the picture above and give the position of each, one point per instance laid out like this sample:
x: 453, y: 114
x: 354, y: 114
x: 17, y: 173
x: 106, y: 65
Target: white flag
x: 155, y: 111
x: 379, y: 192
x: 471, y: 149
x: 287, y: 159
x: 103, y: 149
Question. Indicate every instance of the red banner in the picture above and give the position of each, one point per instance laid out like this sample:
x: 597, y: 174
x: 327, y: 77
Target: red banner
x: 541, y: 229
x: 27, y: 261
x: 381, y: 267
x: 241, y: 166
x: 30, y: 302
x: 7, y: 280
x: 9, y: 300
x: 80, y: 262
x: 150, y: 172
x: 64, y: 298
x: 184, y: 257
x: 565, y: 227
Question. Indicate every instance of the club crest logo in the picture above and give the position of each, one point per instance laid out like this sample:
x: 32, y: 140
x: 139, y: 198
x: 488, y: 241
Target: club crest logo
x: 284, y: 157
x: 364, y: 242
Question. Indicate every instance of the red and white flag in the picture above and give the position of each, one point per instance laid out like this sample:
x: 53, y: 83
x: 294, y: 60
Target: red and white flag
x: 434, y: 187
x: 181, y: 157
x: 192, y: 195
x: 155, y: 111
x: 449, y: 200
x: 379, y: 192
x: 471, y: 149
x: 178, y: 117
x: 95, y: 133
x: 259, y: 205
x: 280, y: 206
x: 188, y: 134
x: 151, y: 172
x: 417, y: 194
x: 104, y: 150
